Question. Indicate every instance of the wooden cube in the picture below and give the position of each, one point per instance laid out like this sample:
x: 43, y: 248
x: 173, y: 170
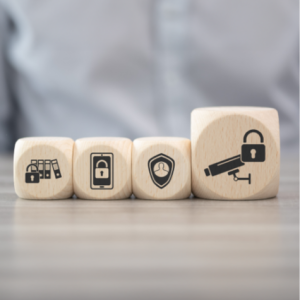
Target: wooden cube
x: 102, y: 168
x: 43, y: 168
x: 235, y: 152
x: 161, y: 168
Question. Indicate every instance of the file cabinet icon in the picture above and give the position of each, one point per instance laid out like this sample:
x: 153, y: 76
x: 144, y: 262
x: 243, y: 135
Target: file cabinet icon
x: 44, y: 168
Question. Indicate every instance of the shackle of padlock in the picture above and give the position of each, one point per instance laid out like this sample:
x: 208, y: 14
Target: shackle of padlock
x: 37, y: 169
x: 101, y: 160
x: 256, y: 131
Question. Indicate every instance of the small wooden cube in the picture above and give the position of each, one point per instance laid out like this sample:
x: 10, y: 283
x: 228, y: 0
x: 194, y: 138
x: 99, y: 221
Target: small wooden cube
x: 43, y: 168
x: 235, y: 153
x: 161, y: 168
x: 102, y: 168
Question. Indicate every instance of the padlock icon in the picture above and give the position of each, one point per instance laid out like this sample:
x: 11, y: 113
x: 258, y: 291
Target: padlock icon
x: 102, y: 172
x: 253, y: 152
x: 33, y: 176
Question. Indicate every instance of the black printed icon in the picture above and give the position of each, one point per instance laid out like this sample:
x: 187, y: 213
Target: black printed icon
x: 224, y: 166
x: 41, y: 169
x: 48, y: 169
x: 250, y: 153
x: 235, y: 178
x: 161, y: 168
x: 56, y: 168
x: 34, y: 175
x: 102, y: 171
x: 253, y: 152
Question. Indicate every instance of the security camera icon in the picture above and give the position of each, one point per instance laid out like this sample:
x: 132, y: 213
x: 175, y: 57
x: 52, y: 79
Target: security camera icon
x: 250, y: 153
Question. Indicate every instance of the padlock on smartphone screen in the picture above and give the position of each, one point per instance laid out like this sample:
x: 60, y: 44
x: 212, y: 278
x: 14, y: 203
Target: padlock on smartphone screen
x: 33, y: 176
x: 253, y: 152
x: 101, y: 170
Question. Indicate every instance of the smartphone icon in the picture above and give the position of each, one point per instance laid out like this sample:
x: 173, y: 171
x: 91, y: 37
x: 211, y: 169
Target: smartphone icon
x: 102, y: 171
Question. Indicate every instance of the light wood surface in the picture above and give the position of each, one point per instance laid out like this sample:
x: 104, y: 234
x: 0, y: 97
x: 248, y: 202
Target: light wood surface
x: 116, y: 184
x: 220, y: 155
x: 133, y: 249
x: 53, y: 157
x: 161, y: 168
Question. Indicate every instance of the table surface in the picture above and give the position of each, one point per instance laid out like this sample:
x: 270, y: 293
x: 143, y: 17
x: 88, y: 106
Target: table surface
x: 134, y: 249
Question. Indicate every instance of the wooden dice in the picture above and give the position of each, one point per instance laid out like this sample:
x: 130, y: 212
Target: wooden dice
x: 102, y: 168
x: 43, y: 168
x: 235, y: 152
x: 161, y: 168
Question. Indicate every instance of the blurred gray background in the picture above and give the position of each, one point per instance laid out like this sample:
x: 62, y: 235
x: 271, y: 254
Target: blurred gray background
x: 138, y: 68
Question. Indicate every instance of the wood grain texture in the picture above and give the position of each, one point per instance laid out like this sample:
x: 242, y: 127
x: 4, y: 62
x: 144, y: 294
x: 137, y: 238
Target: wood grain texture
x: 217, y: 134
x: 120, y: 148
x: 44, y: 148
x: 178, y: 149
x: 137, y: 249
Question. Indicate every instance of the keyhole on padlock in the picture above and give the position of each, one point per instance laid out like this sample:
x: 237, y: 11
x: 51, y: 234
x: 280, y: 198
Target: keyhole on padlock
x: 253, y: 153
x: 31, y: 177
x: 101, y: 173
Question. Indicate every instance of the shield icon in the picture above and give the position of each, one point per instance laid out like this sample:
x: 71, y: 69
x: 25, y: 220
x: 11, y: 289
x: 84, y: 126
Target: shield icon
x: 161, y: 168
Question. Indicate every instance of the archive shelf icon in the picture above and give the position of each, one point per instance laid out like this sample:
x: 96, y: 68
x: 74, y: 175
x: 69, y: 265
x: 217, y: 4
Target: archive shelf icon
x: 43, y: 168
